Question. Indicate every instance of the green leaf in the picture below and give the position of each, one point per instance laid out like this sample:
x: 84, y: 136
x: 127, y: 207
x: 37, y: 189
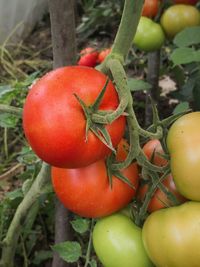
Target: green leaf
x: 93, y: 263
x: 80, y: 225
x: 138, y: 85
x: 69, y: 251
x: 188, y: 36
x: 14, y: 194
x: 185, y: 55
x: 8, y: 120
x: 182, y: 106
x: 41, y: 256
x: 5, y: 89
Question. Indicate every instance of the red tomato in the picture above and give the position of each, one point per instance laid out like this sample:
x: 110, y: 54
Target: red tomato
x: 159, y: 199
x: 88, y: 57
x: 153, y: 150
x: 103, y: 54
x: 150, y: 8
x: 54, y: 122
x: 87, y: 192
x: 189, y: 2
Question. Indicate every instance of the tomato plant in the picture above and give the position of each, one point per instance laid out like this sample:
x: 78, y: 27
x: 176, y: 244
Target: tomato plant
x: 87, y: 191
x: 118, y: 242
x: 178, y: 17
x: 149, y: 35
x: 153, y: 150
x: 103, y: 54
x: 88, y: 57
x: 183, y: 142
x: 187, y: 2
x: 171, y: 236
x: 54, y: 121
x: 150, y: 8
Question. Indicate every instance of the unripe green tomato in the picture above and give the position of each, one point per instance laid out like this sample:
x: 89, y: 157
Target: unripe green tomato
x: 118, y: 242
x: 178, y: 17
x: 149, y: 35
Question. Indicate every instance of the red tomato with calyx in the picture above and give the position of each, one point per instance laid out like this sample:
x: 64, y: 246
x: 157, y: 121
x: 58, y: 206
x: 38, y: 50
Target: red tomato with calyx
x: 103, y: 54
x: 153, y: 151
x: 159, y: 199
x: 189, y: 2
x: 150, y: 8
x: 88, y: 57
x: 87, y: 192
x: 54, y: 122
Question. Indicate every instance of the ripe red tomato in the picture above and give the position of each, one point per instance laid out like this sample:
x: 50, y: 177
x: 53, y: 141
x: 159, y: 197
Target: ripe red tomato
x: 54, y: 122
x: 103, y: 54
x: 87, y: 192
x: 153, y: 150
x: 187, y: 2
x: 150, y: 8
x: 88, y: 57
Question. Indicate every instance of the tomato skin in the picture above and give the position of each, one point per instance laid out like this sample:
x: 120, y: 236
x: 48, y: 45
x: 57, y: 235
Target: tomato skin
x: 153, y: 151
x: 118, y: 242
x: 87, y: 192
x: 88, y: 57
x: 149, y: 35
x: 187, y: 2
x: 150, y: 8
x: 54, y: 122
x: 103, y: 54
x: 178, y: 17
x: 172, y: 236
x: 183, y: 141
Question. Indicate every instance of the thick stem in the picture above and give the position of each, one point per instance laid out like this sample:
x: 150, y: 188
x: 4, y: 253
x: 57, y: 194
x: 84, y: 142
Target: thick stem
x: 64, y: 53
x: 10, y: 242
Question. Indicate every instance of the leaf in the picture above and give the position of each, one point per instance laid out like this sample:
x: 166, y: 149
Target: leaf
x: 8, y: 120
x: 41, y: 256
x: 5, y: 89
x: 14, y: 194
x: 93, y: 263
x: 184, y: 55
x: 80, y: 225
x: 182, y: 106
x: 187, y: 37
x: 138, y: 85
x: 69, y: 251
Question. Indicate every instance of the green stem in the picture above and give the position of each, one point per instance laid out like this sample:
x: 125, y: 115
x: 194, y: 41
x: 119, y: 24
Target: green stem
x: 11, y: 110
x: 89, y: 245
x: 10, y: 242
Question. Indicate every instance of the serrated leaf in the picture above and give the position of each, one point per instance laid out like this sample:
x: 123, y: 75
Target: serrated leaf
x: 80, y: 225
x: 187, y: 37
x: 8, y: 120
x: 184, y: 55
x: 69, y: 251
x: 138, y: 85
x: 182, y: 106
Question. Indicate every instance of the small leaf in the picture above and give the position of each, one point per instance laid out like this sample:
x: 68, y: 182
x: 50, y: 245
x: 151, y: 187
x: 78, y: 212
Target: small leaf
x: 187, y: 37
x: 182, y: 106
x: 69, y: 251
x: 5, y: 89
x: 41, y: 256
x: 185, y: 55
x: 93, y: 263
x: 138, y: 85
x: 14, y: 194
x: 8, y: 120
x: 80, y: 225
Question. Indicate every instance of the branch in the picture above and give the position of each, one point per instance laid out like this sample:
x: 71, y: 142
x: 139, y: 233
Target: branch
x: 10, y: 242
x: 11, y: 110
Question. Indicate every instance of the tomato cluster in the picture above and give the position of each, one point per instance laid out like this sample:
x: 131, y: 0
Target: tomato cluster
x: 150, y: 35
x: 90, y: 57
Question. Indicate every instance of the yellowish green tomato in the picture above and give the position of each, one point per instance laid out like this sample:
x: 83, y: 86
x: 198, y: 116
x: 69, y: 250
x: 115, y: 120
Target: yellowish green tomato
x: 178, y: 17
x: 149, y: 35
x: 171, y: 236
x: 183, y: 142
x: 118, y: 242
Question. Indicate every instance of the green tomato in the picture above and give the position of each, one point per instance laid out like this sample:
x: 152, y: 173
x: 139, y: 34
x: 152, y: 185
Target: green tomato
x: 118, y: 242
x: 171, y: 236
x: 178, y: 17
x: 183, y: 142
x: 149, y: 35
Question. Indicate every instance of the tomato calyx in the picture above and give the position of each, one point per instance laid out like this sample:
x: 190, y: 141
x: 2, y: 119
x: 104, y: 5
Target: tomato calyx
x: 98, y: 129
